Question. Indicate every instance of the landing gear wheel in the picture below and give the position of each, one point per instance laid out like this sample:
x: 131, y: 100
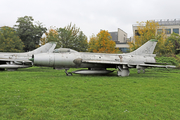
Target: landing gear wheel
x: 139, y: 71
x: 123, y: 71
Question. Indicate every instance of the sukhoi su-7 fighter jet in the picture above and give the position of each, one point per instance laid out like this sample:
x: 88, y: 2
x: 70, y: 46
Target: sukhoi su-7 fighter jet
x: 13, y: 61
x: 97, y: 63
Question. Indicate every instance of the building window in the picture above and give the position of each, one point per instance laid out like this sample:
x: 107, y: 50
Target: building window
x: 159, y: 31
x: 137, y: 33
x: 124, y: 50
x: 168, y: 31
x: 176, y: 30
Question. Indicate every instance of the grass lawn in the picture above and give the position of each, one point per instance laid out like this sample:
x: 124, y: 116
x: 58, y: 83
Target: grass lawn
x: 43, y: 93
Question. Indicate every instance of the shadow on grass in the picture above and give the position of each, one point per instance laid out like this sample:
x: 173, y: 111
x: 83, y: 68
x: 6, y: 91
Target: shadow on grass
x: 152, y: 72
x: 36, y: 69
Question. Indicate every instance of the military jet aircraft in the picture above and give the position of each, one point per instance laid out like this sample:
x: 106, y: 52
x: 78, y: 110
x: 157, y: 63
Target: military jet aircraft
x: 97, y: 63
x: 13, y: 61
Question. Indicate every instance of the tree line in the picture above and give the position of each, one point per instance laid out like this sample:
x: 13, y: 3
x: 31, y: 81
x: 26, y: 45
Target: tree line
x: 27, y: 35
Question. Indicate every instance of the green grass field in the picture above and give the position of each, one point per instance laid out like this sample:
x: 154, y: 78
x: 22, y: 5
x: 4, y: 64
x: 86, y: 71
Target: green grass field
x: 43, y: 93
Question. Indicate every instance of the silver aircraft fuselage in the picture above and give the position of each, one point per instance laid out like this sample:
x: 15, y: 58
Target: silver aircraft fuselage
x: 65, y: 58
x: 75, y: 59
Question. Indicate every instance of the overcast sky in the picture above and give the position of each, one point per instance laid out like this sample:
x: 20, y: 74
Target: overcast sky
x: 89, y: 15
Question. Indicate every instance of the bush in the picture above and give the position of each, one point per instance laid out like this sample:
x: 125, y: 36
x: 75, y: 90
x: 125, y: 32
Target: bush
x: 169, y: 60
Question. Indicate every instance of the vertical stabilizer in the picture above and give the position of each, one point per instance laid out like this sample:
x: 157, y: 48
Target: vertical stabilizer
x: 147, y: 48
x: 48, y: 47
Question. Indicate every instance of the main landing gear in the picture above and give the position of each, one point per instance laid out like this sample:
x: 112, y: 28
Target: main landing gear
x: 123, y: 71
x: 139, y: 69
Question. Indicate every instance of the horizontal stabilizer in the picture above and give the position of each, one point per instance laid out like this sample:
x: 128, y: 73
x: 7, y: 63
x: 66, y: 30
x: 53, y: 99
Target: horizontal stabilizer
x: 159, y: 66
x: 157, y: 63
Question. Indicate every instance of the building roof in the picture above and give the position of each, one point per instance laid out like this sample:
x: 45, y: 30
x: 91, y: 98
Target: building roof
x: 168, y: 22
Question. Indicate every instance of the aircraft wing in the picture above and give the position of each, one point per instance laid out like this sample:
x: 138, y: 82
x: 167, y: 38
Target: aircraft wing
x: 6, y: 63
x: 104, y: 62
x: 125, y: 63
x: 15, y: 60
x: 6, y: 59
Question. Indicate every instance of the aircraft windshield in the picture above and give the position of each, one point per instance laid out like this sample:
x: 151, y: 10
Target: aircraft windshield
x: 63, y: 50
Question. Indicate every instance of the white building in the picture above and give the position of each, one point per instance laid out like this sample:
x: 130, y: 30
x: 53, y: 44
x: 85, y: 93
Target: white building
x: 120, y: 38
x: 169, y: 26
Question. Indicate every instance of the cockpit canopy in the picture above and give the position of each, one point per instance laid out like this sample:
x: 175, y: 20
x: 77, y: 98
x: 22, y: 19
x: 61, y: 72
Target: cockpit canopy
x: 64, y: 50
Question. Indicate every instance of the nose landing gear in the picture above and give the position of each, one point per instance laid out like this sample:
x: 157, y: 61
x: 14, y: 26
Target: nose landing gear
x: 68, y: 73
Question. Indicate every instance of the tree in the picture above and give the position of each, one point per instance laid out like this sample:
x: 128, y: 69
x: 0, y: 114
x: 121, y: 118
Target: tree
x: 29, y: 33
x: 51, y: 35
x: 102, y: 43
x: 67, y: 37
x: 175, y: 39
x: 148, y: 30
x: 81, y: 43
x: 92, y: 43
x: 71, y: 37
x: 9, y: 41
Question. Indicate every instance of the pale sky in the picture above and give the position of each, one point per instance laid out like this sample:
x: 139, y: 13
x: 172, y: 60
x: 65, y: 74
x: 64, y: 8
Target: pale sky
x: 89, y: 15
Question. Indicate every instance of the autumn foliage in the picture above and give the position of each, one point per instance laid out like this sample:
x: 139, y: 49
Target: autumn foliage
x: 102, y: 43
x: 51, y: 35
x: 148, y: 30
x: 175, y: 39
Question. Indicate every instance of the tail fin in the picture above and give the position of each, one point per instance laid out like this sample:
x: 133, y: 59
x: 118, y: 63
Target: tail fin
x: 48, y: 47
x: 147, y: 48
